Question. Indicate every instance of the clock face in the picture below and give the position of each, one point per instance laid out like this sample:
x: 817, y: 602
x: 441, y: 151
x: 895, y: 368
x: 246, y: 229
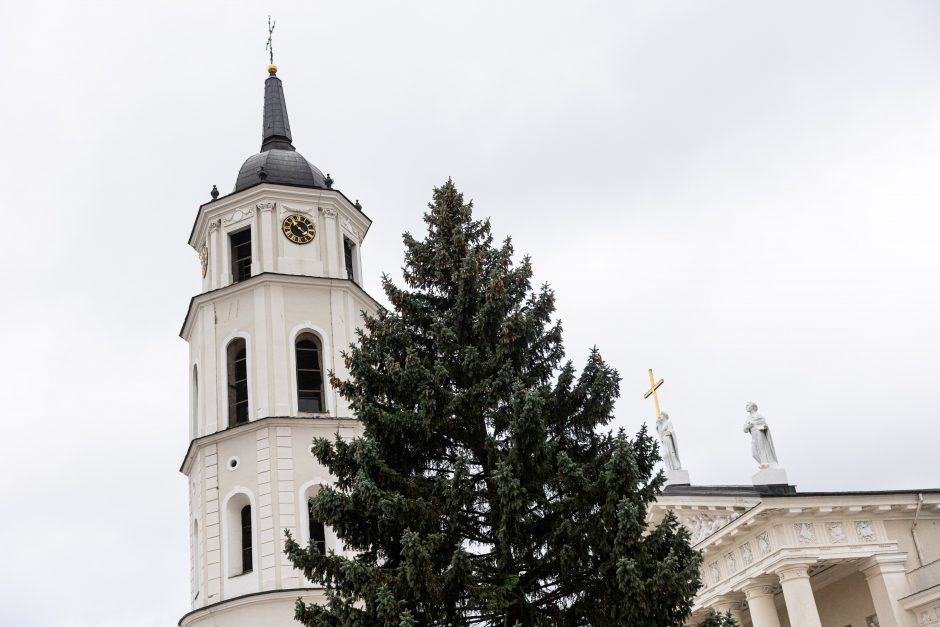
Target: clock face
x: 204, y: 259
x: 298, y: 229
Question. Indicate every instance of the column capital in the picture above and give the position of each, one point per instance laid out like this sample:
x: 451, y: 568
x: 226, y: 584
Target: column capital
x: 794, y: 569
x: 761, y: 586
x: 883, y: 563
x: 727, y: 602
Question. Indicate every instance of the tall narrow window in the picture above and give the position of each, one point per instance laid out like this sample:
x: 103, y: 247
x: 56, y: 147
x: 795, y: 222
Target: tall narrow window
x: 196, y: 567
x: 348, y: 254
x: 194, y: 418
x: 246, y: 539
x: 317, y: 532
x: 309, y: 373
x: 237, y: 383
x: 241, y: 255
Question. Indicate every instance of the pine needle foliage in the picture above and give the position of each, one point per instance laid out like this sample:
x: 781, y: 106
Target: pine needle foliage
x: 719, y: 620
x: 484, y: 489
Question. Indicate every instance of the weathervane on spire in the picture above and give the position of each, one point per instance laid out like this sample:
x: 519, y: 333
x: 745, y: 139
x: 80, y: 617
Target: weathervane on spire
x: 270, y: 46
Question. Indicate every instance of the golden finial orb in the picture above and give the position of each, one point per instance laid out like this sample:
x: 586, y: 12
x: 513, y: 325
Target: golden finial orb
x: 272, y: 69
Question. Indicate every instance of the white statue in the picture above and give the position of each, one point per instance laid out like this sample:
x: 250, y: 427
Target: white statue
x: 667, y: 436
x: 762, y: 444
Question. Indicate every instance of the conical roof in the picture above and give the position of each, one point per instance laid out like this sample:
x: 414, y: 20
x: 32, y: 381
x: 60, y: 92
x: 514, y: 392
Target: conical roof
x: 278, y: 162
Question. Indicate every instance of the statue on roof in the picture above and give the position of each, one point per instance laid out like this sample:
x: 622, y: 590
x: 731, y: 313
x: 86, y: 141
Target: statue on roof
x: 667, y: 437
x: 762, y: 444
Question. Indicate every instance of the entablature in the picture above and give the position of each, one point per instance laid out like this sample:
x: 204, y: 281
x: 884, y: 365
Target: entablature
x: 272, y: 278
x: 249, y: 200
x: 262, y: 423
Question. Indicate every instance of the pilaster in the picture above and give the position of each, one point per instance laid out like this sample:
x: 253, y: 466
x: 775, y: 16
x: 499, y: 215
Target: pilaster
x: 286, y: 502
x: 213, y: 526
x: 266, y: 511
x: 887, y: 582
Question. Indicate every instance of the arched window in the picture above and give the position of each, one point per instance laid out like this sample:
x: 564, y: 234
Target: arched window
x: 238, y: 536
x: 194, y: 418
x: 246, y: 538
x: 309, y: 374
x: 237, y: 382
x: 317, y: 531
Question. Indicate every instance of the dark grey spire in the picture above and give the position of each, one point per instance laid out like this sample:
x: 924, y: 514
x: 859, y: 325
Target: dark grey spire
x: 278, y: 162
x: 275, y: 131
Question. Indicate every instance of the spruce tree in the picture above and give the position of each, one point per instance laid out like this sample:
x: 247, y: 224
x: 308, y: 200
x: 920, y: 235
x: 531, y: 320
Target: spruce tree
x: 485, y: 489
x: 718, y: 620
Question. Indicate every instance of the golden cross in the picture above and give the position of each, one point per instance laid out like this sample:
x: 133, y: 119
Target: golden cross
x: 654, y: 385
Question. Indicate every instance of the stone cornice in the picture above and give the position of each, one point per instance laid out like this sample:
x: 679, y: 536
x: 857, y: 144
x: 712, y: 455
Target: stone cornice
x: 254, y: 425
x: 270, y: 278
x: 784, y: 559
x: 332, y: 199
x: 245, y: 599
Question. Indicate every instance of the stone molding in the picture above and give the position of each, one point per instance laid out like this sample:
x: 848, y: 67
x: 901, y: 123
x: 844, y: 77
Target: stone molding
x: 761, y: 586
x: 883, y: 563
x: 262, y: 423
x: 326, y: 199
x: 239, y: 215
x: 794, y: 570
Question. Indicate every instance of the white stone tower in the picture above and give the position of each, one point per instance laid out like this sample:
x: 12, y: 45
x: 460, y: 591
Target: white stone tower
x: 280, y: 299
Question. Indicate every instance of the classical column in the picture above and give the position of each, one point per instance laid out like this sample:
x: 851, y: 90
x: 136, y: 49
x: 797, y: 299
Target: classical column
x: 760, y: 600
x: 729, y: 604
x: 887, y: 581
x: 798, y: 594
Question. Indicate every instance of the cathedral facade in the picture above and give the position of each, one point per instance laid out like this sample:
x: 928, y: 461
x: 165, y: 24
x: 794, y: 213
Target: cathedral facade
x: 280, y: 300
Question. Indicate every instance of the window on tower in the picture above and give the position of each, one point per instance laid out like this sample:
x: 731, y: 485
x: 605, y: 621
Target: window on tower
x: 317, y: 532
x: 241, y: 255
x: 309, y: 374
x: 237, y: 382
x: 246, y: 539
x: 237, y: 538
x: 196, y: 560
x: 348, y: 252
x: 194, y: 417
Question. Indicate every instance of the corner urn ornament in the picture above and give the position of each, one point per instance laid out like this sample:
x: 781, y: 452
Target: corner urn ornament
x: 298, y: 229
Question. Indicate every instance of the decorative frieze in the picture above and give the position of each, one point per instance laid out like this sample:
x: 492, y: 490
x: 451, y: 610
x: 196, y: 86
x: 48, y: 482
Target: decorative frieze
x: 836, y: 532
x: 747, y: 555
x: 763, y: 543
x: 715, y: 572
x: 240, y: 214
x: 352, y: 229
x: 702, y: 525
x: 864, y: 530
x: 805, y: 532
x: 731, y: 562
x: 285, y: 211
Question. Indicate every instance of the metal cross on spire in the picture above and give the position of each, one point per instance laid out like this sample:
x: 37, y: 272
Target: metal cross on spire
x: 654, y: 385
x: 270, y: 45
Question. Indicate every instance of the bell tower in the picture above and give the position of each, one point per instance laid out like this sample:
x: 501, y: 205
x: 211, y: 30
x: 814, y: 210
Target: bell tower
x: 280, y: 299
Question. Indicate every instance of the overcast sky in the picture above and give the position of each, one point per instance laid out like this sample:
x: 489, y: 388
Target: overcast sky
x: 740, y: 195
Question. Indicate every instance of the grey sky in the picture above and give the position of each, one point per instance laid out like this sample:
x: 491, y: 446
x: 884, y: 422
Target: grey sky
x: 740, y: 195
